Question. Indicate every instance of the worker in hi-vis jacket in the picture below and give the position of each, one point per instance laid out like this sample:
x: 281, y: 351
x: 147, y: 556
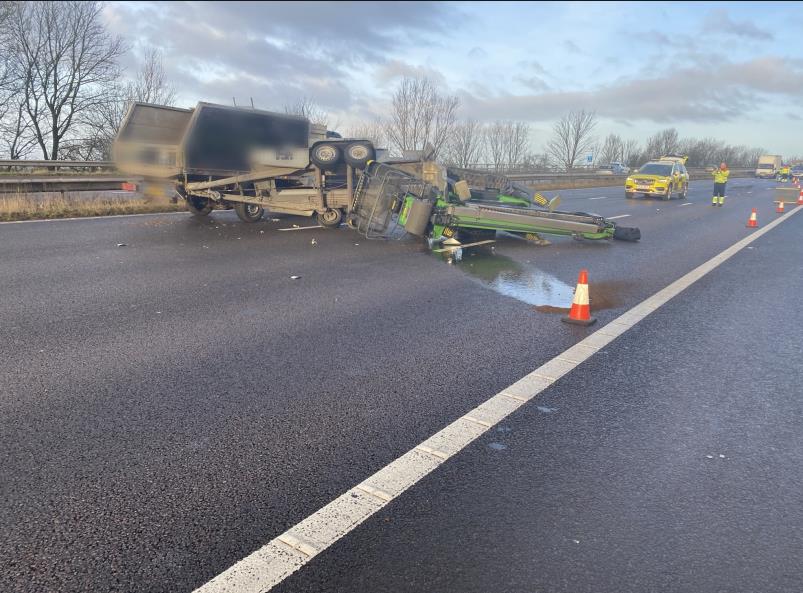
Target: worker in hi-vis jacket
x: 720, y: 179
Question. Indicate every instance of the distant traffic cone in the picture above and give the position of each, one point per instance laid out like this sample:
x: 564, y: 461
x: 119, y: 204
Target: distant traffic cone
x: 580, y: 313
x: 752, y: 222
x: 800, y: 198
x: 779, y: 207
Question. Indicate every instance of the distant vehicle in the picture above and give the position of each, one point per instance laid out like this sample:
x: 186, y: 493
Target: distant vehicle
x: 768, y: 166
x: 797, y: 170
x: 665, y: 178
x: 613, y: 169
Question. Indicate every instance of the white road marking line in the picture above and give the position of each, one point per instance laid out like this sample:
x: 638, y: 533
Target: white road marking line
x: 615, y: 217
x: 599, y: 198
x: 301, y: 228
x: 275, y: 561
x: 461, y: 246
x: 92, y: 217
x: 687, y: 204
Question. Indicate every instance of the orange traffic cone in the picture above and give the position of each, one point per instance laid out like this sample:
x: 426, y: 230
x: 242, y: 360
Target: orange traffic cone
x: 779, y: 207
x: 800, y: 198
x: 580, y: 313
x: 752, y: 222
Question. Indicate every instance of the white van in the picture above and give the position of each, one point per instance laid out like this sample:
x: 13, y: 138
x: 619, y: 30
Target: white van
x: 768, y: 166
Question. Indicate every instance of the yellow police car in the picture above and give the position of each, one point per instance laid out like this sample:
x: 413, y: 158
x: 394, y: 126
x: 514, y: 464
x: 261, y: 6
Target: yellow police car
x: 665, y: 178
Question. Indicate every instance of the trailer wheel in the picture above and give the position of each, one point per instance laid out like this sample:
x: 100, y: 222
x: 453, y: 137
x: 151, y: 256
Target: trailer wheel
x: 325, y: 155
x: 248, y: 212
x: 330, y: 218
x: 199, y: 206
x: 357, y: 154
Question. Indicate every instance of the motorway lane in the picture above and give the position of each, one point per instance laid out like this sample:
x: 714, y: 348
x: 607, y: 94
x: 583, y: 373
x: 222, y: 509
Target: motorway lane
x: 675, y: 238
x: 170, y: 405
x: 667, y: 462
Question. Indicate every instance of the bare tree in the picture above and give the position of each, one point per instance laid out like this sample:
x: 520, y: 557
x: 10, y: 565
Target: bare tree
x: 631, y: 153
x: 307, y: 107
x: 663, y: 143
x: 464, y: 146
x: 701, y: 152
x: 65, y: 60
x: 571, y: 138
x: 101, y: 124
x: 517, y: 143
x: 16, y: 130
x: 373, y: 131
x: 151, y: 84
x: 421, y: 117
x: 494, y: 137
x: 612, y: 149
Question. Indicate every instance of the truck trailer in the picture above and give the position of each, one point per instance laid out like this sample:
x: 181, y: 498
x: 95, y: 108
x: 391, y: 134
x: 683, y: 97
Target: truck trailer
x: 251, y: 161
x: 768, y: 166
x: 246, y: 159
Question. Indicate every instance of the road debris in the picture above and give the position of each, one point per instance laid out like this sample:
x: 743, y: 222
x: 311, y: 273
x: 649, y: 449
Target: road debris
x: 122, y: 245
x: 313, y: 242
x: 294, y: 277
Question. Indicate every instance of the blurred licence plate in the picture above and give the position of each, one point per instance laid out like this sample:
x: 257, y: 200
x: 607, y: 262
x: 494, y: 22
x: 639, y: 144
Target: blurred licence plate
x: 643, y: 187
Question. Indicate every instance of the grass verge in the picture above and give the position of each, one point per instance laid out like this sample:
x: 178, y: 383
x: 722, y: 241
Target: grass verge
x: 15, y: 207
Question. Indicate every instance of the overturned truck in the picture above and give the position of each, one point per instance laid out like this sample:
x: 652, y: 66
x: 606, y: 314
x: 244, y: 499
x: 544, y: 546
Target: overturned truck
x: 251, y: 161
x: 246, y: 159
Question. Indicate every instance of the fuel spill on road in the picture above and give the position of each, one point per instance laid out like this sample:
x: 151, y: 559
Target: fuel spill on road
x: 526, y: 283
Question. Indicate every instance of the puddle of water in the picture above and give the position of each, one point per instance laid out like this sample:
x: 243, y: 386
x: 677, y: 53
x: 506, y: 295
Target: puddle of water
x: 528, y: 284
x: 507, y: 277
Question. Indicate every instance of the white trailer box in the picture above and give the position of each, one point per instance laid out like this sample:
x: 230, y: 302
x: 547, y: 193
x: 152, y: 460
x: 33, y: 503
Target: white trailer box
x: 768, y: 166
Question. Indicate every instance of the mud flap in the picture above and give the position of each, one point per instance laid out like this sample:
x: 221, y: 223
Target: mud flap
x: 624, y: 233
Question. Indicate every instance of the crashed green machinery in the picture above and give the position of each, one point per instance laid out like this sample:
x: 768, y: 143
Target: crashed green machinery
x: 389, y: 200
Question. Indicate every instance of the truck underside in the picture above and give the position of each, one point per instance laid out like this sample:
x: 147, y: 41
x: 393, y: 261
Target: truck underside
x: 253, y: 161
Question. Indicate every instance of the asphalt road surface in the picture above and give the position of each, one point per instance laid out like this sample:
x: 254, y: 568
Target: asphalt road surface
x: 170, y: 405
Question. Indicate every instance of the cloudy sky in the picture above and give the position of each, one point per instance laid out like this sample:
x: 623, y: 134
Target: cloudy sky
x: 729, y: 70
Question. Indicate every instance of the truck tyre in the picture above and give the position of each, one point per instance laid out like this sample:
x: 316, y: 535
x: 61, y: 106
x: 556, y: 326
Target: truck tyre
x: 199, y: 206
x: 248, y: 212
x: 624, y: 233
x: 357, y: 154
x: 630, y: 195
x: 325, y: 155
x: 668, y: 195
x: 330, y: 218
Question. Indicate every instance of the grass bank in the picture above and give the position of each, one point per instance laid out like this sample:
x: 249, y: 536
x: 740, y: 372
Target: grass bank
x: 78, y: 204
